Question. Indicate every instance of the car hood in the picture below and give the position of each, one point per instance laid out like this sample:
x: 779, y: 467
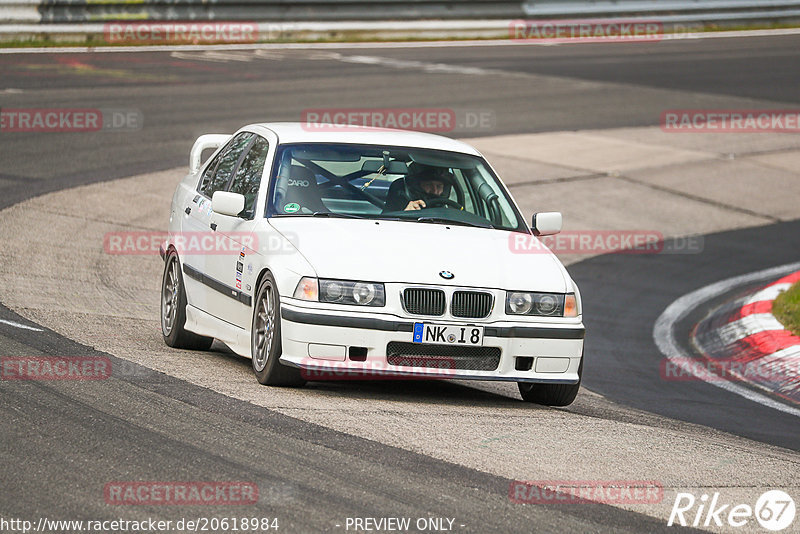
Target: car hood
x: 412, y: 252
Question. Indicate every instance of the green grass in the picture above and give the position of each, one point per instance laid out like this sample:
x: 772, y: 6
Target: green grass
x: 786, y: 309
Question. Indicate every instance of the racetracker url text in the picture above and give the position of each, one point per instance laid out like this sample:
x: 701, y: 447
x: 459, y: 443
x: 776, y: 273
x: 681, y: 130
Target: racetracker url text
x: 198, y: 524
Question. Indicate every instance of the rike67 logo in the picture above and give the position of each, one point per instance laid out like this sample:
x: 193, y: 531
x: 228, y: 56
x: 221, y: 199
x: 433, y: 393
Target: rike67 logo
x: 774, y: 510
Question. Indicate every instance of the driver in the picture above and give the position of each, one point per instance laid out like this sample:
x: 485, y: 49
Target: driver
x: 422, y: 183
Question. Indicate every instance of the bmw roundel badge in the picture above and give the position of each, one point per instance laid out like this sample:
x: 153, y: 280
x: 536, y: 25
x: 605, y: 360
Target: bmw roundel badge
x: 447, y: 275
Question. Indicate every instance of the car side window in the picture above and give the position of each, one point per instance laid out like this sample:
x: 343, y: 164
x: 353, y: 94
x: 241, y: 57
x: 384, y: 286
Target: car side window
x: 248, y: 176
x: 219, y: 171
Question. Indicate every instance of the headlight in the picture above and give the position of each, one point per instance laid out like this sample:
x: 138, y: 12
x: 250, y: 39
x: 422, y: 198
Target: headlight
x: 547, y: 304
x: 341, y: 292
x: 542, y: 304
x: 519, y: 303
x: 364, y: 294
x: 332, y: 291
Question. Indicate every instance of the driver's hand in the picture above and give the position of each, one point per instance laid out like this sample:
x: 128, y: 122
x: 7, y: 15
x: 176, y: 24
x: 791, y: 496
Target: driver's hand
x: 415, y: 205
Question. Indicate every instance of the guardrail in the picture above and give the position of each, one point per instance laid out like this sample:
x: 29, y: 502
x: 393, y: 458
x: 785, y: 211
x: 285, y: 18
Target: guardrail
x: 78, y: 11
x: 70, y: 11
x: 326, y: 18
x: 20, y: 11
x: 611, y: 7
x: 666, y: 10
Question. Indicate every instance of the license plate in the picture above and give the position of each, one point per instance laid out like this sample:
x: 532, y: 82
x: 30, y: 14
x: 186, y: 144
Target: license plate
x: 448, y: 334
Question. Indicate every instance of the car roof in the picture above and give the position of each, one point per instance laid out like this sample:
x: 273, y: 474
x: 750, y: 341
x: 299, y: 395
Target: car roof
x: 297, y: 132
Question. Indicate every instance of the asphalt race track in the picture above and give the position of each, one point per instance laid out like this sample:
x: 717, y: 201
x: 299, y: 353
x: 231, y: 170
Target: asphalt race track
x: 622, y: 355
x: 314, y: 467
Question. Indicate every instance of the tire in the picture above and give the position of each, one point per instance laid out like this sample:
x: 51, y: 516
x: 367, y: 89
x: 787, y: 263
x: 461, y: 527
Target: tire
x: 173, y: 309
x: 551, y: 394
x: 265, y: 338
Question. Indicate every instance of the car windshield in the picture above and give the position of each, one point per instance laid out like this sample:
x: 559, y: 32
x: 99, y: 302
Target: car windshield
x: 388, y: 182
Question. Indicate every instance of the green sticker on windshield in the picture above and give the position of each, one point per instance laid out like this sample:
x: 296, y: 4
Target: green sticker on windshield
x: 291, y: 208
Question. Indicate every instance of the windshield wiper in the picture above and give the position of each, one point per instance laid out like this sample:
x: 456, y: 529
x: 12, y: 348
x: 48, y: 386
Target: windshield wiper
x: 444, y: 220
x: 338, y: 215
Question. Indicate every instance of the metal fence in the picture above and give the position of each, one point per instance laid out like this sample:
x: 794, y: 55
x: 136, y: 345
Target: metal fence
x: 99, y: 11
x: 291, y: 20
x: 70, y: 11
x: 666, y: 10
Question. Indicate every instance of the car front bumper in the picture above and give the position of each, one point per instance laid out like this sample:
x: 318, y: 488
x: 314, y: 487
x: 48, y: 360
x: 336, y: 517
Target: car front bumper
x: 332, y: 344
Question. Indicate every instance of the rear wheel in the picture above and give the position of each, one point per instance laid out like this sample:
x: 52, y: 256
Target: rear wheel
x: 265, y: 339
x: 173, y: 309
x: 551, y: 394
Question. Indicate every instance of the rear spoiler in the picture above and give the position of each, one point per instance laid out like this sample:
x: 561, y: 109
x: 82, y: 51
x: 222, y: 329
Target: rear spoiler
x: 204, y: 142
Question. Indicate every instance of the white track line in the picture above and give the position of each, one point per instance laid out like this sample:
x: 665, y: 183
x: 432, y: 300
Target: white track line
x: 664, y: 335
x: 378, y: 45
x: 748, y: 325
x: 18, y: 325
x: 768, y: 293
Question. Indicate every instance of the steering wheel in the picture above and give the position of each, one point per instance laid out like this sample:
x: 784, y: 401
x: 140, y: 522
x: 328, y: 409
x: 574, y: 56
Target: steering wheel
x: 439, y: 201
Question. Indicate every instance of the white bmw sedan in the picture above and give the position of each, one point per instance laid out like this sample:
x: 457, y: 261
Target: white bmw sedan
x: 331, y: 252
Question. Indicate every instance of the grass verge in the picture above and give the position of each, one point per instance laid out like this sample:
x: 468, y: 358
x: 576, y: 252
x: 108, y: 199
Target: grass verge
x: 786, y: 309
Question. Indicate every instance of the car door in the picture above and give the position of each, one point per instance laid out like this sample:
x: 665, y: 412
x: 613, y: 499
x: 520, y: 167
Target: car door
x: 198, y: 241
x: 234, y: 266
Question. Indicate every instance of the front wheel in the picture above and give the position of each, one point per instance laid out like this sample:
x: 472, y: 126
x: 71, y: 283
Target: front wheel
x: 265, y: 339
x: 173, y: 309
x: 551, y: 394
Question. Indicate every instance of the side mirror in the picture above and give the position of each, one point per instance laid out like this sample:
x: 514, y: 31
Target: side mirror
x: 225, y: 203
x: 546, y: 223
